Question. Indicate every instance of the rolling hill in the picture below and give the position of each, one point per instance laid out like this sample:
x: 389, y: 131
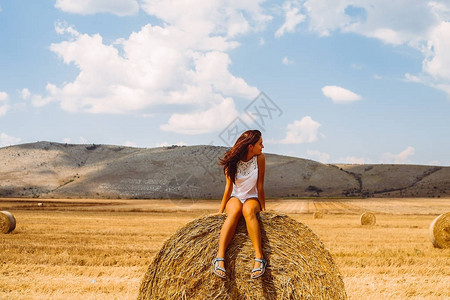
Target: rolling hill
x: 54, y: 170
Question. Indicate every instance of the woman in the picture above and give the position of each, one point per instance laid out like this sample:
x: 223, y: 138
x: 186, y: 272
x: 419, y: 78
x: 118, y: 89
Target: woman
x: 244, y: 167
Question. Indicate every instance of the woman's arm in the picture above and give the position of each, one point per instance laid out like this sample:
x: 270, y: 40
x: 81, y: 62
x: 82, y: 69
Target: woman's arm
x: 260, y: 183
x: 226, y: 194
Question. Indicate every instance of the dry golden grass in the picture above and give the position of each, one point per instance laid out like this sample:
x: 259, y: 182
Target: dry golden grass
x: 87, y: 252
x: 394, y: 259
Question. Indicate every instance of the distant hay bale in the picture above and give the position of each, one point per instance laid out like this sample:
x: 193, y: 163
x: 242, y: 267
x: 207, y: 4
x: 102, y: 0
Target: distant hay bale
x: 368, y: 218
x: 7, y: 222
x: 318, y: 214
x: 440, y: 231
x: 299, y: 266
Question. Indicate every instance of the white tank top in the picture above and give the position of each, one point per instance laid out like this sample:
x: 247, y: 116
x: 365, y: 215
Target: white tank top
x: 244, y: 186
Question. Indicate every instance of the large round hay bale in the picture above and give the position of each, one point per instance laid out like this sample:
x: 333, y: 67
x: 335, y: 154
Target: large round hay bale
x: 368, y: 218
x: 440, y: 231
x: 299, y: 266
x: 7, y: 222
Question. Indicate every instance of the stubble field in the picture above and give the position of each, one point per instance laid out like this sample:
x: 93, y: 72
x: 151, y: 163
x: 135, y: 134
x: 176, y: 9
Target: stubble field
x: 100, y: 249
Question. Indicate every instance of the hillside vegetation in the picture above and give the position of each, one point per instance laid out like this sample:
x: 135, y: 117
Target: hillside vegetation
x: 54, y: 170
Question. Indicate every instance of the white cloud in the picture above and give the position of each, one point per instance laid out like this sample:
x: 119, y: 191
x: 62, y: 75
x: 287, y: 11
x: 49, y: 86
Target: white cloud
x: 437, y: 60
x: 340, y: 95
x: 63, y: 28
x: 221, y: 18
x: 4, y: 109
x: 389, y: 21
x: 184, y: 62
x: 4, y: 103
x: 377, y: 77
x: 212, y: 119
x: 325, y: 16
x: 412, y: 78
x: 129, y: 144
x: 3, y: 96
x: 293, y: 17
x: 357, y: 66
x: 423, y: 25
x: 286, y: 61
x: 353, y: 160
x: 6, y: 140
x: 318, y: 156
x: 434, y: 163
x: 25, y: 93
x: 301, y: 131
x: 39, y: 101
x: 67, y: 140
x: 88, y: 7
x: 400, y: 158
x: 212, y: 70
x: 166, y: 144
x: 441, y: 10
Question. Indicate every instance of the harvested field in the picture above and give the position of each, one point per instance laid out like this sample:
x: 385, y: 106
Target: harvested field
x: 94, y: 249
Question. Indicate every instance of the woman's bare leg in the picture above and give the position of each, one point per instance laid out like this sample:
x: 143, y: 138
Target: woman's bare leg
x: 234, y: 212
x: 250, y: 208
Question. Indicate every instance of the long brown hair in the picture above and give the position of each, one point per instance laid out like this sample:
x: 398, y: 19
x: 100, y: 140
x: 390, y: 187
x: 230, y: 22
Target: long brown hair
x: 238, y: 152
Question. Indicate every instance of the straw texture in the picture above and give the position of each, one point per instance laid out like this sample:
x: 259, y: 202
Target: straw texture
x: 368, y: 218
x: 299, y: 266
x: 7, y: 222
x: 318, y: 214
x: 440, y: 231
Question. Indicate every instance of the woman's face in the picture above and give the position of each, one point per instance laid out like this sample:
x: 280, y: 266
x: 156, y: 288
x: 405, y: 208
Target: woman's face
x: 257, y: 148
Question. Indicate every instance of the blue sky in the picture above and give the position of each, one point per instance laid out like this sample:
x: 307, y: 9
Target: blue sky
x: 333, y: 81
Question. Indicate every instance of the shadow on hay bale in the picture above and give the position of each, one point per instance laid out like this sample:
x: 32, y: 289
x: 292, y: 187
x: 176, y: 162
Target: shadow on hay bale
x: 7, y: 222
x: 299, y: 266
x: 440, y: 231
